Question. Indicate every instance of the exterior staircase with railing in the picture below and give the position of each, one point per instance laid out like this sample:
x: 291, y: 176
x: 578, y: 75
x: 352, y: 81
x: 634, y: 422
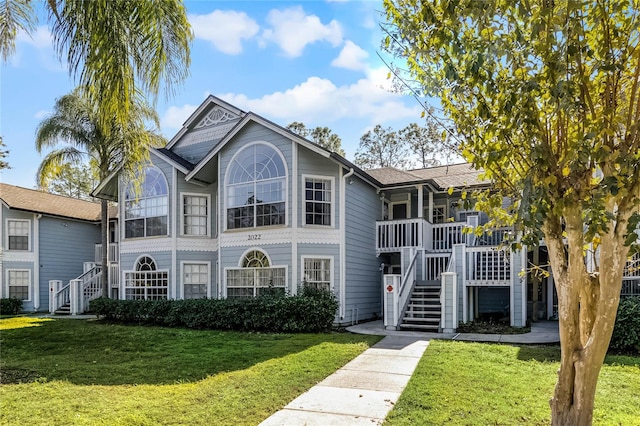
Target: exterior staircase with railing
x: 423, y: 310
x: 74, y: 297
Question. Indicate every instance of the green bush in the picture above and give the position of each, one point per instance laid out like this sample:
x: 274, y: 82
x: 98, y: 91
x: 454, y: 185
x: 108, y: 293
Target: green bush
x: 626, y: 332
x: 309, y: 311
x: 10, y: 306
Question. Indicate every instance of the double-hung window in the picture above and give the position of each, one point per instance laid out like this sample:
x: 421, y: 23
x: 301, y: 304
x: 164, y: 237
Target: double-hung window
x: 19, y: 283
x: 318, y: 200
x: 18, y: 234
x: 317, y: 272
x: 195, y: 280
x: 195, y: 215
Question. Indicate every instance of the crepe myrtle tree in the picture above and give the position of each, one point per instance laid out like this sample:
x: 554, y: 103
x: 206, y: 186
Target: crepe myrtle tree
x: 546, y: 96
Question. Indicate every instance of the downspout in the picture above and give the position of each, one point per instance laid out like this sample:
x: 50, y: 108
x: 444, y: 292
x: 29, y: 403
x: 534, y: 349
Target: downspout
x: 343, y: 238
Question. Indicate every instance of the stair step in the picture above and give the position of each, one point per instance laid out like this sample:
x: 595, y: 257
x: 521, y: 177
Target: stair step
x: 422, y: 327
x: 421, y: 320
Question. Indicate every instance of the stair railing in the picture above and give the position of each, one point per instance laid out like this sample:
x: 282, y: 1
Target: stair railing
x: 406, y: 286
x: 58, y: 295
x: 85, y: 288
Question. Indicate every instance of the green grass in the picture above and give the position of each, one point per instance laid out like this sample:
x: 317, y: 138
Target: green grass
x: 459, y: 383
x: 87, y: 372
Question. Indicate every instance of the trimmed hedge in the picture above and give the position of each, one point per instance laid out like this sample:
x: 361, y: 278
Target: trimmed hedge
x: 309, y: 311
x: 10, y: 306
x: 626, y: 332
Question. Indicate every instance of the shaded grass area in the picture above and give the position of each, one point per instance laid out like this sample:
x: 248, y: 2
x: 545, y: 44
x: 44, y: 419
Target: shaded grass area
x: 87, y: 372
x: 458, y: 383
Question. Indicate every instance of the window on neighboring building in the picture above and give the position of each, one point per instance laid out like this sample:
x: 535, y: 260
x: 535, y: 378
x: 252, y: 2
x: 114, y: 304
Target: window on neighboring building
x: 19, y: 283
x: 317, y: 195
x: 255, y: 276
x: 146, y: 282
x: 317, y: 272
x: 146, y: 214
x: 256, y: 183
x: 195, y: 215
x: 195, y: 279
x: 18, y: 234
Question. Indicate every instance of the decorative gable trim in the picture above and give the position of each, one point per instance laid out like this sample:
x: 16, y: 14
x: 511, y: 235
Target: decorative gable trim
x: 216, y: 116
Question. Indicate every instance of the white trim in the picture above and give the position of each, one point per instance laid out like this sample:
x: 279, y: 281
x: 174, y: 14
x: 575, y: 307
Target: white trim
x: 331, y: 179
x: 295, y: 202
x: 189, y: 262
x: 30, y: 288
x: 219, y: 231
x: 511, y: 290
x: 250, y: 249
x: 182, y: 215
x: 151, y: 244
x: 170, y: 161
x: 420, y: 189
x: 29, y: 235
x: 36, y: 266
x: 173, y: 279
x: 430, y: 215
x: 286, y: 185
x: 331, y: 268
x: 446, y: 213
x: 343, y: 242
x: 523, y: 283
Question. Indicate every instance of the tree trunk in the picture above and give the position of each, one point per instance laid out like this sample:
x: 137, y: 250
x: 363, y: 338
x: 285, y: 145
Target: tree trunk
x: 587, y: 305
x: 105, y: 246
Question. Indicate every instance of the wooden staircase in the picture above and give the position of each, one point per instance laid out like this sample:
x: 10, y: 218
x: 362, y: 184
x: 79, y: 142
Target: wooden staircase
x: 423, y: 310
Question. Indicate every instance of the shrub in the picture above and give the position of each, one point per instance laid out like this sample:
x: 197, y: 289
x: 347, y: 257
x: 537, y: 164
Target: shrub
x: 311, y: 310
x: 10, y: 306
x: 626, y: 332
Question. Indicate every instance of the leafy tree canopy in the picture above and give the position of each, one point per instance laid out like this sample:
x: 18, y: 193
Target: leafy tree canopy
x: 118, y: 50
x: 75, y: 180
x: 382, y: 147
x: 3, y: 154
x: 546, y: 96
x: 323, y: 136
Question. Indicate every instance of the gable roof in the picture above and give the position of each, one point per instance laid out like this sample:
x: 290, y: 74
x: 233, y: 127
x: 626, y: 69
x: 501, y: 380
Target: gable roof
x: 34, y: 201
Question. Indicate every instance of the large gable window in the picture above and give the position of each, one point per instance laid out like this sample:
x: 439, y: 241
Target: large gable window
x: 146, y: 215
x: 256, y: 183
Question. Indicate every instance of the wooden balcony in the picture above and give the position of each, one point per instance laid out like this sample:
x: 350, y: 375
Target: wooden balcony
x: 395, y: 235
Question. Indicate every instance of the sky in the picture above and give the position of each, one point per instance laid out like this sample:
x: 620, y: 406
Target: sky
x: 314, y: 62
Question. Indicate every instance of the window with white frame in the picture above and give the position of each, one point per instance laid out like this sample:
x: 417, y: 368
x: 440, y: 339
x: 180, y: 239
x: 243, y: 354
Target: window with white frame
x: 18, y: 234
x: 255, y: 276
x: 19, y: 283
x: 195, y: 280
x: 146, y: 282
x: 318, y: 200
x: 439, y: 214
x: 317, y: 272
x: 256, y: 188
x: 195, y: 215
x: 145, y: 214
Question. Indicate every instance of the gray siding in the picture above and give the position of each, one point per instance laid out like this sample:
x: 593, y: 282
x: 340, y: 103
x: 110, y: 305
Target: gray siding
x: 64, y: 246
x: 211, y: 190
x: 198, y: 257
x: 324, y: 250
x: 310, y: 163
x: 280, y: 255
x: 363, y: 277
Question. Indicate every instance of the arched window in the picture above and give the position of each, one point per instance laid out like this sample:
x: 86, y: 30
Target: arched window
x: 256, y: 182
x: 145, y: 214
x: 255, y: 276
x: 146, y: 282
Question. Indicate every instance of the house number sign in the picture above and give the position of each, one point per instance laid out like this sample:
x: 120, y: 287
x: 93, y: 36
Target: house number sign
x: 254, y: 237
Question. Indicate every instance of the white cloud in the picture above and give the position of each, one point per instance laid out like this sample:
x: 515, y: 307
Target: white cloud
x: 41, y: 38
x: 319, y: 100
x: 224, y: 29
x: 175, y: 117
x: 43, y: 113
x: 351, y: 57
x: 292, y: 30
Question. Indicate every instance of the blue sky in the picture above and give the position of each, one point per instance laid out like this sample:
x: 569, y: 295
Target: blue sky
x: 308, y: 61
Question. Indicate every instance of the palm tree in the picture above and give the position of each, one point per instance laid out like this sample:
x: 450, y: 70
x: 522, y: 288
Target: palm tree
x: 77, y: 123
x: 114, y: 48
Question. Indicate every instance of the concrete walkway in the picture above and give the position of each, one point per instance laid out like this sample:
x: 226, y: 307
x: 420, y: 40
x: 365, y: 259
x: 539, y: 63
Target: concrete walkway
x: 366, y: 389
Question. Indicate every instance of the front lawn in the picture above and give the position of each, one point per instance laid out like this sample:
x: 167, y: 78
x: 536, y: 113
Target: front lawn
x: 88, y: 372
x: 458, y: 383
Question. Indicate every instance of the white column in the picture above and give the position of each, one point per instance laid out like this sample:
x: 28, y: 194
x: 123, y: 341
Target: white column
x: 36, y: 262
x: 420, y: 201
x: 430, y: 206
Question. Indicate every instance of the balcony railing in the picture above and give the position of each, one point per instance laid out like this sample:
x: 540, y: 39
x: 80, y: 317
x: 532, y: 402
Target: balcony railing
x: 114, y: 253
x: 395, y: 235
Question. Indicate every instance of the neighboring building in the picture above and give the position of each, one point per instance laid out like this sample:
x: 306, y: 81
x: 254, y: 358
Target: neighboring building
x: 44, y: 237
